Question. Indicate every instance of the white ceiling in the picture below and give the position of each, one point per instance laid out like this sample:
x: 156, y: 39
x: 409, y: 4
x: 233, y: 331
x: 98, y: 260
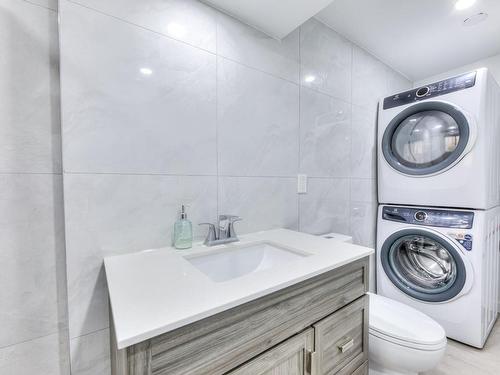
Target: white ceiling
x: 276, y: 18
x: 419, y: 38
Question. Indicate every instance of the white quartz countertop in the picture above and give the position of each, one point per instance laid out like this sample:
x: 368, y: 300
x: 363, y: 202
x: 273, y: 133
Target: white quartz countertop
x: 157, y: 291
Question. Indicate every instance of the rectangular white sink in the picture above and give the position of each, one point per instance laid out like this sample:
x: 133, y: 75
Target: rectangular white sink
x: 239, y: 260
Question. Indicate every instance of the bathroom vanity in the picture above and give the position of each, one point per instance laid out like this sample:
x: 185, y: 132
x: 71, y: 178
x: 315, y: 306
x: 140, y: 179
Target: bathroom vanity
x: 279, y: 302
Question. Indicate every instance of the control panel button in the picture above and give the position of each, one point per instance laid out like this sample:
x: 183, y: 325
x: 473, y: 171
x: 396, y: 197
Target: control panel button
x: 420, y: 216
x: 423, y: 91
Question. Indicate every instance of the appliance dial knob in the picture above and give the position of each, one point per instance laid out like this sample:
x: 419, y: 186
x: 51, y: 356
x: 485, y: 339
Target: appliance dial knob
x: 423, y: 91
x: 420, y: 216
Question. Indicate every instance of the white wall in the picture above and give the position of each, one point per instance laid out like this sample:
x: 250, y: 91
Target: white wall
x: 223, y: 120
x: 492, y: 63
x: 33, y: 310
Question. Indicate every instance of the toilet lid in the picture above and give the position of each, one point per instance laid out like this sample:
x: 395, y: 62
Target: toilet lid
x: 397, y: 322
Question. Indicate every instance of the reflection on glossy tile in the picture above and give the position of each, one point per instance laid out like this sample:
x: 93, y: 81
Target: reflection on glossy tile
x: 47, y: 355
x: 90, y: 354
x: 363, y: 143
x: 262, y: 202
x: 33, y: 293
x: 325, y: 207
x: 148, y: 107
x: 30, y: 139
x: 189, y: 21
x: 325, y: 60
x: 117, y: 214
x: 325, y: 135
x: 363, y: 223
x: 258, y: 127
x: 369, y: 81
x: 251, y: 47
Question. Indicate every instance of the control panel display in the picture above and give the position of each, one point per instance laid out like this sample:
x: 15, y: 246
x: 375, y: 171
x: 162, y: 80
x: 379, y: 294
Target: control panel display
x: 458, y: 83
x: 431, y: 217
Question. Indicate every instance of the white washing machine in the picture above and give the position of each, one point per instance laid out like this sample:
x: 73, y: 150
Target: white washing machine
x: 438, y: 144
x: 443, y: 262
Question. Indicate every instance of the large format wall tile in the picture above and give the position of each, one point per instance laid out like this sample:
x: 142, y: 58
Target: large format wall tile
x: 325, y: 207
x: 117, y: 214
x: 258, y: 125
x: 147, y: 107
x: 262, y: 202
x: 33, y: 293
x: 363, y: 142
x: 189, y: 21
x: 369, y: 79
x: 48, y: 355
x: 30, y: 139
x: 325, y: 135
x: 90, y: 354
x: 364, y: 190
x: 251, y: 47
x: 325, y: 60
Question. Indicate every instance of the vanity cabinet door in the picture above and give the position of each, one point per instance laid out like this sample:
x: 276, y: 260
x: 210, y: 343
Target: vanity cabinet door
x: 341, y: 340
x: 292, y: 357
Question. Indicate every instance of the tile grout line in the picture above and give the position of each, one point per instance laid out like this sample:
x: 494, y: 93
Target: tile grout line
x: 217, y: 158
x: 34, y: 338
x: 349, y: 224
x: 299, y: 211
x: 31, y: 173
x: 41, y: 6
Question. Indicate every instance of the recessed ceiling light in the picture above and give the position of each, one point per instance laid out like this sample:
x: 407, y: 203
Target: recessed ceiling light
x: 475, y: 19
x: 464, y: 4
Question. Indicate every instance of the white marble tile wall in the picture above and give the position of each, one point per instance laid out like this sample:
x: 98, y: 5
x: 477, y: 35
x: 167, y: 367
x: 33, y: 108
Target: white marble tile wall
x: 33, y: 307
x: 169, y: 102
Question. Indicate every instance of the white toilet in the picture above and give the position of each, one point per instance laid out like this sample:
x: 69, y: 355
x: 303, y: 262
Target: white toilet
x: 403, y: 341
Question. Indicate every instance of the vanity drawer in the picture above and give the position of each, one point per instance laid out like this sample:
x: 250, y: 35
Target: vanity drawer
x: 341, y: 340
x: 225, y: 341
x: 362, y: 370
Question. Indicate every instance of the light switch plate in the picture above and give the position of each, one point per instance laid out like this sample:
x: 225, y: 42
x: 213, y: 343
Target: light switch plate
x: 302, y: 183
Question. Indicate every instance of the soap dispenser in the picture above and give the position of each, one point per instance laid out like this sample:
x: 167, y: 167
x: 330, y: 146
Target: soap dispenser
x: 183, y: 231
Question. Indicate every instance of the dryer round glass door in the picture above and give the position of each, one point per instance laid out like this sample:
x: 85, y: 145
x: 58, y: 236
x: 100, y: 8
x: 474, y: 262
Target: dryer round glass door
x: 423, y: 265
x: 426, y: 138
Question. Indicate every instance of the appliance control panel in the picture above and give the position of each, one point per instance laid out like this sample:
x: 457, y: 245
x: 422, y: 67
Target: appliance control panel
x: 457, y: 83
x: 429, y: 217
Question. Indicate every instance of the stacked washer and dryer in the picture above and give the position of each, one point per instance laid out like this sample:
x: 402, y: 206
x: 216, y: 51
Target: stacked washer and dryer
x: 439, y: 193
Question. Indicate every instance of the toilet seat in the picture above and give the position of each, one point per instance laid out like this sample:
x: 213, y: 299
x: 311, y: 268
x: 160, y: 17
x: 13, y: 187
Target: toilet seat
x: 403, y: 325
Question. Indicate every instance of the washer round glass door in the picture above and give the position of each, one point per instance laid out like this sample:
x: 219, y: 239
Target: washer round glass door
x: 423, y: 265
x: 426, y: 138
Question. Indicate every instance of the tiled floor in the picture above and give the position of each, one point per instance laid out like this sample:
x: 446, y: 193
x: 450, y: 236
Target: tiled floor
x: 464, y: 360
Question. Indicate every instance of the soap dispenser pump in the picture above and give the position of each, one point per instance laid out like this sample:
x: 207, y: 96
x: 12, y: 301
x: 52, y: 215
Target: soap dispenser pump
x: 183, y: 231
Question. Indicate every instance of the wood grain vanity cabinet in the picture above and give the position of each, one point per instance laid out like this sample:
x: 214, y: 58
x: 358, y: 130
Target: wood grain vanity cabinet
x: 316, y: 327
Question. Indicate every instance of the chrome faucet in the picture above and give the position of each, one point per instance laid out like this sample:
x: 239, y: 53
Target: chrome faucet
x: 223, y: 233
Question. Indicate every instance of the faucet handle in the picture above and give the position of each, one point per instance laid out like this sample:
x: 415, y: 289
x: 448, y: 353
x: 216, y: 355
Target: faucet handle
x: 231, y: 233
x: 211, y: 235
x: 229, y: 218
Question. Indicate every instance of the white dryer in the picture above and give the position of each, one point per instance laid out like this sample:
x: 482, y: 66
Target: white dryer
x: 443, y: 262
x: 438, y: 145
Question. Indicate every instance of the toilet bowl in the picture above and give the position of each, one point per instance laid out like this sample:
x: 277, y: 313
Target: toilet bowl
x: 402, y: 340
